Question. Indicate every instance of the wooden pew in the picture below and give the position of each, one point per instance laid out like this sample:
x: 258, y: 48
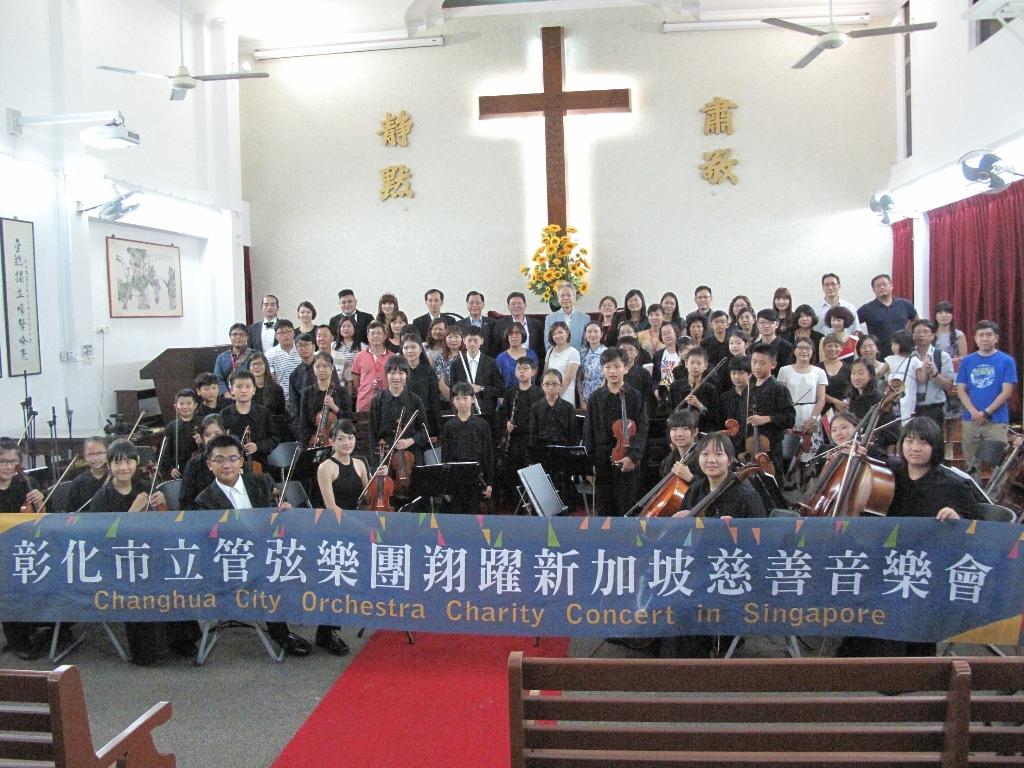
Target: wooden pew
x: 43, y: 722
x: 769, y: 713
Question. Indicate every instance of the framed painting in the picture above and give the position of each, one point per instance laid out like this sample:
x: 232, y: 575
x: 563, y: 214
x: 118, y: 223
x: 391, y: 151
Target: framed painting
x: 143, y: 279
x: 21, y: 312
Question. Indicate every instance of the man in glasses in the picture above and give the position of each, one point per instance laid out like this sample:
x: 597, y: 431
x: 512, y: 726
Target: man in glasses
x: 231, y: 489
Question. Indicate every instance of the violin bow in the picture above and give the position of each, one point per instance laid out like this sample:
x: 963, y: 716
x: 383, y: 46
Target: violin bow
x: 60, y: 479
x: 387, y: 456
x: 291, y: 468
x: 156, y: 471
x: 136, y: 425
x: 700, y: 382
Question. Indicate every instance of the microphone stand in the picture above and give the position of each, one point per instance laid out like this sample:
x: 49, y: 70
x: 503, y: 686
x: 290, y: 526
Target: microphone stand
x: 54, y: 458
x: 67, y: 414
x: 29, y: 415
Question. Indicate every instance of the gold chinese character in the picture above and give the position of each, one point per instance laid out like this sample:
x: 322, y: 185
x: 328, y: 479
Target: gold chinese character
x: 718, y: 165
x: 717, y: 117
x: 396, y: 129
x: 395, y: 182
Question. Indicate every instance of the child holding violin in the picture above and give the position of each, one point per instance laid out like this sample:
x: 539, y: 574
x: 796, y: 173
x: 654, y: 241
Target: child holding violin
x: 466, y: 437
x: 86, y: 484
x: 244, y: 413
x: 196, y: 475
x: 322, y: 402
x: 127, y: 492
x: 696, y: 390
x: 396, y: 402
x: 615, y: 434
x: 16, y: 493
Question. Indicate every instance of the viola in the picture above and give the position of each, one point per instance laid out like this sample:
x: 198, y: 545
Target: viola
x: 379, y: 491
x: 28, y: 506
x: 252, y: 465
x: 850, y: 485
x: 761, y: 464
x: 325, y: 420
x: 624, y: 429
x: 402, y: 461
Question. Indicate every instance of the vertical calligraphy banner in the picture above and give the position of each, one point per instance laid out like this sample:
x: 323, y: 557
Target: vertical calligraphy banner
x: 21, y: 312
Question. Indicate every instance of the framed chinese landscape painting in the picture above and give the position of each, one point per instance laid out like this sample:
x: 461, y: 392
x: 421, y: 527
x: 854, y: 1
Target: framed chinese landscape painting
x: 143, y: 279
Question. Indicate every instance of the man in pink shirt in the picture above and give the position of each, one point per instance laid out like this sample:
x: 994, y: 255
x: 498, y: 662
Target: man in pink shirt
x: 368, y: 367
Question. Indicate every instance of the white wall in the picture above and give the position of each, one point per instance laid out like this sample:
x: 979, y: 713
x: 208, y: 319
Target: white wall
x: 812, y: 145
x: 187, y: 164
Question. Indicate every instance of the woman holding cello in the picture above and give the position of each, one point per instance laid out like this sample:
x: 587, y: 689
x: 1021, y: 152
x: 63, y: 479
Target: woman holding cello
x: 322, y: 403
x: 720, y: 492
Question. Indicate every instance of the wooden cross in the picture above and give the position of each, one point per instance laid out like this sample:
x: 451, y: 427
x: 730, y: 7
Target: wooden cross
x: 554, y: 103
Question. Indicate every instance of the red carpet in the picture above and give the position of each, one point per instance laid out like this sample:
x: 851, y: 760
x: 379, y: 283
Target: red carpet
x: 441, y: 702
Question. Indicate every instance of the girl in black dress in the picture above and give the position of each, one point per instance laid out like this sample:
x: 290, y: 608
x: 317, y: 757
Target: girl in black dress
x: 343, y: 476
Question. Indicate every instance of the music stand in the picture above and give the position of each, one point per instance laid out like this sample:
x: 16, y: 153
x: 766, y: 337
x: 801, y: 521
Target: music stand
x: 309, y: 460
x: 432, y: 480
x: 541, y: 495
x: 572, y: 459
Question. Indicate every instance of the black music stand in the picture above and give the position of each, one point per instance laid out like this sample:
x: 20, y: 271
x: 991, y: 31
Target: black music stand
x: 309, y: 460
x: 433, y: 480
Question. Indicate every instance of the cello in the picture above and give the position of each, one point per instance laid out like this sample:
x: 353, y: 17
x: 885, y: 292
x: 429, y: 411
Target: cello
x: 850, y: 485
x: 761, y: 464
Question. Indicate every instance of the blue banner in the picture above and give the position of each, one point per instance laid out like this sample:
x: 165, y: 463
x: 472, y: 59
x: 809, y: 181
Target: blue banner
x: 899, y: 578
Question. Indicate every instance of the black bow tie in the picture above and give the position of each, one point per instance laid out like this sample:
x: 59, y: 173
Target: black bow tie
x: 268, y: 324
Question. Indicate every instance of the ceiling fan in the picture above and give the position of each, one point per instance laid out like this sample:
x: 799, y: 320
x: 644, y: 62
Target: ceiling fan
x: 184, y: 81
x: 831, y: 37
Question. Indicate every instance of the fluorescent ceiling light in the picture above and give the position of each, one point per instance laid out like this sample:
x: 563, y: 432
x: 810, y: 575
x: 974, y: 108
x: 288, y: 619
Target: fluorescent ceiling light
x: 859, y: 20
x: 352, y: 47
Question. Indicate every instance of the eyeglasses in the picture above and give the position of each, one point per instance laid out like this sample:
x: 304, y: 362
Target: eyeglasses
x: 9, y: 462
x: 222, y: 460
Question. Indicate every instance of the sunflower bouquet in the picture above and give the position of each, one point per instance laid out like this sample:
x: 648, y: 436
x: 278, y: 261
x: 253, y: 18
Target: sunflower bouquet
x: 558, y: 260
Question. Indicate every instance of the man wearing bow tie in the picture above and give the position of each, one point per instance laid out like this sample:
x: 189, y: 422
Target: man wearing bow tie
x: 261, y: 334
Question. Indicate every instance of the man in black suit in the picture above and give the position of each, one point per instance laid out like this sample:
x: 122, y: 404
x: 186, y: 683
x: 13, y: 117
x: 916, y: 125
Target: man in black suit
x: 534, y: 328
x: 232, y: 490
x: 434, y: 299
x: 477, y: 319
x: 347, y: 302
x: 261, y: 334
x: 479, y: 370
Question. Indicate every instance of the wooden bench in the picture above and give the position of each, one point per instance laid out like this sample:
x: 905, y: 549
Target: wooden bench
x: 43, y: 722
x: 792, y: 713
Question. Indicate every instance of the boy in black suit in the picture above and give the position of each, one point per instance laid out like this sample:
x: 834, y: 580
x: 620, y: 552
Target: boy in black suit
x: 480, y: 371
x: 233, y: 490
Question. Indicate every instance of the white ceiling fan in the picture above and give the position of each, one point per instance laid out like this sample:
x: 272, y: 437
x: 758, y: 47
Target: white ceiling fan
x: 831, y: 37
x: 183, y: 81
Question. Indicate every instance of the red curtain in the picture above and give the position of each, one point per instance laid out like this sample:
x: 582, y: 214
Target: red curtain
x: 977, y: 263
x: 903, y: 258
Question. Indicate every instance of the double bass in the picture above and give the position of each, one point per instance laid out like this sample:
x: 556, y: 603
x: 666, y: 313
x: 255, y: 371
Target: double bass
x: 850, y: 485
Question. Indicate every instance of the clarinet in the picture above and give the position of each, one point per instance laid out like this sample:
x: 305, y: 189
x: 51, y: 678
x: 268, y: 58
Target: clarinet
x: 506, y: 437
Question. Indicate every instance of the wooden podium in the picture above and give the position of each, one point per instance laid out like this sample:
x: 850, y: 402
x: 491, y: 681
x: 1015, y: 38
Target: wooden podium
x: 176, y: 368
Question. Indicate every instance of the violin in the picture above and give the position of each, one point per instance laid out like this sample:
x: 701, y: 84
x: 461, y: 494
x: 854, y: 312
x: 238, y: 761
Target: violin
x: 755, y: 443
x: 325, y: 420
x: 849, y: 485
x: 378, y: 492
x: 28, y: 506
x: 761, y: 464
x: 624, y: 429
x: 402, y: 461
x: 161, y: 507
x: 254, y: 466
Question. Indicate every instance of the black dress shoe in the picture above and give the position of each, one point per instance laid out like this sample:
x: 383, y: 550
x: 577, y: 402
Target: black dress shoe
x: 294, y: 645
x: 331, y: 643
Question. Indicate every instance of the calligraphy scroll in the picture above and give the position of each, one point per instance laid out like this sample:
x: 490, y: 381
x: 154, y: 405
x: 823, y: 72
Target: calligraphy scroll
x: 21, y: 312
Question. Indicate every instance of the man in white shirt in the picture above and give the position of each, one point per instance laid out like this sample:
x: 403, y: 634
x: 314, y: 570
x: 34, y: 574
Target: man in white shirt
x: 568, y: 314
x: 830, y: 287
x: 284, y: 358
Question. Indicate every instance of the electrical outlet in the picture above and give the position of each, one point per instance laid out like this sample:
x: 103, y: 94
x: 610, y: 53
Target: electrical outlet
x: 66, y: 357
